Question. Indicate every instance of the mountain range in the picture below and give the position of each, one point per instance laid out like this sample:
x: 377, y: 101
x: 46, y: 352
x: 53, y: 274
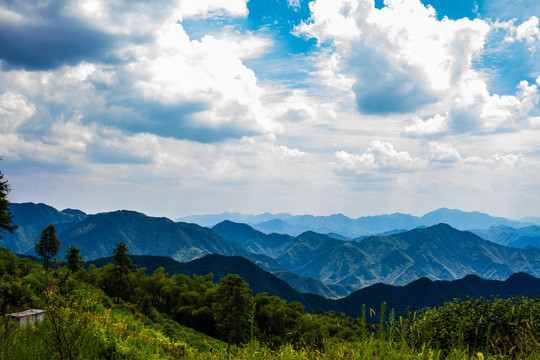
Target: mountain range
x: 354, y: 228
x: 508, y: 236
x: 98, y: 234
x: 439, y: 252
x: 413, y: 296
x: 309, y: 262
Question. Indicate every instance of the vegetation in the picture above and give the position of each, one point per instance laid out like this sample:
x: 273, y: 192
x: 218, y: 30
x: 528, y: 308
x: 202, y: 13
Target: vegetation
x: 48, y: 245
x: 74, y: 259
x: 5, y: 213
x: 169, y: 317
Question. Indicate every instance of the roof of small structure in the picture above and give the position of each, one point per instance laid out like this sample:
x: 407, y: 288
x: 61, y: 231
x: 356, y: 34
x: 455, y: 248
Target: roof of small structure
x: 27, y: 313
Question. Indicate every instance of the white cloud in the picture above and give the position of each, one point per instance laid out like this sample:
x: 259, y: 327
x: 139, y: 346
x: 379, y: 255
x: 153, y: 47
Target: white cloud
x: 191, y: 8
x: 14, y: 110
x: 173, y: 86
x: 528, y: 31
x: 295, y: 4
x: 400, y: 57
x: 502, y: 161
x: 177, y: 69
x: 380, y: 156
x: 443, y: 153
x: 534, y: 122
x: 435, y: 125
x: 10, y: 16
x: 499, y: 110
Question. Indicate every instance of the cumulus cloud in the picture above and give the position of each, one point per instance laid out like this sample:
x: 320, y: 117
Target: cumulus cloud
x: 171, y: 86
x: 528, y: 31
x: 489, y: 112
x: 443, y: 153
x: 503, y: 161
x: 14, y: 110
x: 380, y: 156
x: 400, y: 57
x: 435, y: 125
x: 383, y: 158
x: 403, y: 59
x: 200, y: 84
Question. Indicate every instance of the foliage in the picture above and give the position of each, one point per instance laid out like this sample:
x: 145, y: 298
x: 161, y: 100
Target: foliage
x: 500, y: 326
x: 68, y: 320
x: 74, y: 259
x: 121, y: 258
x: 231, y: 309
x: 116, y: 281
x: 48, y: 245
x: 6, y: 218
x: 158, y: 317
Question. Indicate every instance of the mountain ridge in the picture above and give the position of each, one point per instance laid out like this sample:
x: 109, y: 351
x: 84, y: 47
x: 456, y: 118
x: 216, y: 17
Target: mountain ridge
x: 357, y: 227
x: 413, y: 296
x: 440, y: 252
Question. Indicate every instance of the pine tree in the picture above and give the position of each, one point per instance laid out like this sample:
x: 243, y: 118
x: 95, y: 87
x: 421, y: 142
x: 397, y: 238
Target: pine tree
x: 74, y: 259
x: 48, y: 245
x: 121, y: 258
x: 119, y: 285
x: 232, y: 308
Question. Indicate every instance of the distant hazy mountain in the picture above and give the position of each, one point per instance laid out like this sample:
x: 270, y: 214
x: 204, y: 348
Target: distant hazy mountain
x: 508, y: 236
x: 32, y: 219
x: 211, y: 220
x: 354, y: 228
x: 438, y: 252
x: 414, y: 296
x: 97, y: 235
x: 466, y: 220
x: 531, y: 219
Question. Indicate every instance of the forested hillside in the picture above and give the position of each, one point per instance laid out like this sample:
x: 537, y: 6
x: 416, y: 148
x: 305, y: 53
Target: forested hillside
x: 116, y: 312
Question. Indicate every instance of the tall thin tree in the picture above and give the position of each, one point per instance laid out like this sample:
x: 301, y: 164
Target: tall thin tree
x: 48, y: 245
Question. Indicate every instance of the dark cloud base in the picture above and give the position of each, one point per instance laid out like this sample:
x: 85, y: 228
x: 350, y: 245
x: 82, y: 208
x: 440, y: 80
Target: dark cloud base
x: 53, y: 45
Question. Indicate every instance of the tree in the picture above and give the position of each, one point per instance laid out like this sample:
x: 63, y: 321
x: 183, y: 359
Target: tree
x: 6, y: 218
x: 232, y: 309
x: 122, y: 259
x: 74, y: 259
x: 48, y: 245
x: 117, y: 282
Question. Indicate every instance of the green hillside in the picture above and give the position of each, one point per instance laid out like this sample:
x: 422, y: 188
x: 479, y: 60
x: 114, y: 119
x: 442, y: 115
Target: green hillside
x: 88, y: 316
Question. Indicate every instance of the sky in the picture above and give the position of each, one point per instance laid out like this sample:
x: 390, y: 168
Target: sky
x: 360, y: 107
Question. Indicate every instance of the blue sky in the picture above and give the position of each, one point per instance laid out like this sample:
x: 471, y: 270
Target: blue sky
x: 204, y: 106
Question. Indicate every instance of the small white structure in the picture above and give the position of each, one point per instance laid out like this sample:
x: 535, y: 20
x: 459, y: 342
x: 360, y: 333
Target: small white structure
x: 28, y: 317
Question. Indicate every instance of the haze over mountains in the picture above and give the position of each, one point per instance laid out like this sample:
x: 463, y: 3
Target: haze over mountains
x: 414, y: 296
x: 508, y: 236
x: 310, y: 262
x: 354, y: 228
x: 439, y: 252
